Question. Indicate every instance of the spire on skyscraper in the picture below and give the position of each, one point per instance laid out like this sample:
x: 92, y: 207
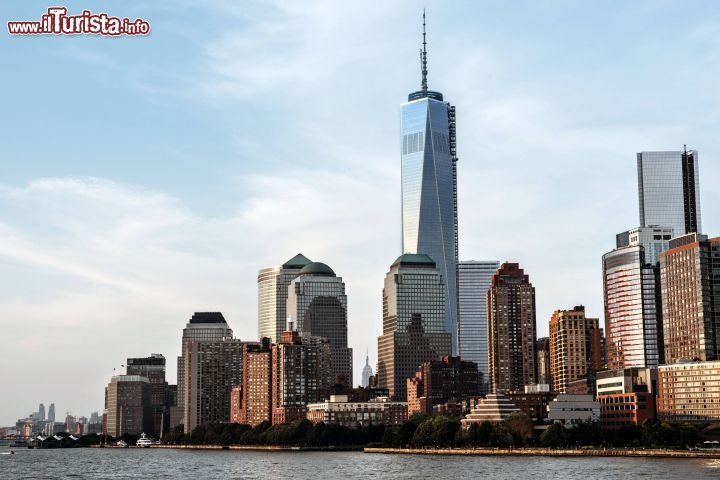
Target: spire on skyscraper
x: 423, y: 59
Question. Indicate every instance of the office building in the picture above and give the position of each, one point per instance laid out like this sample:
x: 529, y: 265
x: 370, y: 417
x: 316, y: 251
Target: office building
x: 429, y: 186
x: 202, y: 327
x: 473, y: 284
x: 301, y: 374
x: 273, y: 285
x: 626, y: 396
x: 413, y: 322
x: 153, y: 368
x: 575, y: 346
x: 689, y: 392
x: 317, y: 303
x: 669, y: 190
x: 511, y: 330
x: 569, y: 409
x: 210, y: 370
x: 338, y: 410
x: 448, y: 380
x: 51, y: 413
x: 633, y: 308
x: 534, y: 404
x: 128, y: 405
x: 211, y: 363
x: 367, y: 372
x: 690, y: 281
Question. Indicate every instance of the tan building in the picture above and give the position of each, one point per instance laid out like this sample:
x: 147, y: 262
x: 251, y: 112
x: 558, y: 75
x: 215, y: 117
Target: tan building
x: 689, y: 392
x: 511, y: 330
x: 339, y: 411
x: 129, y: 405
x: 691, y: 298
x: 575, y: 346
x: 256, y: 392
x: 235, y: 403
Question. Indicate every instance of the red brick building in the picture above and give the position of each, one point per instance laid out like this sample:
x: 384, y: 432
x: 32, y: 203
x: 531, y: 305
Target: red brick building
x: 448, y: 380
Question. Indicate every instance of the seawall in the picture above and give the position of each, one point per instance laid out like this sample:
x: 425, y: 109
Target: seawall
x: 595, y: 452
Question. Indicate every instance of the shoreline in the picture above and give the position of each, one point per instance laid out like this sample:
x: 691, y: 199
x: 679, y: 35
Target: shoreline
x: 259, y: 448
x: 547, y: 452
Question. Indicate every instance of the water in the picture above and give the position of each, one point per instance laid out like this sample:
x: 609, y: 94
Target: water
x: 93, y: 463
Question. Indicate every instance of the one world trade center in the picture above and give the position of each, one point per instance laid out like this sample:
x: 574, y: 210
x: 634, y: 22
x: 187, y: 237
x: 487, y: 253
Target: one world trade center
x: 429, y: 186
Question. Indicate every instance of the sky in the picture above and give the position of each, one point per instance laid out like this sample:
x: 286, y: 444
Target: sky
x: 145, y: 178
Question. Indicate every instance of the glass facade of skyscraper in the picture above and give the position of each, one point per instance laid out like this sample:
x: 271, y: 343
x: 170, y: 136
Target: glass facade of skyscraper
x: 316, y: 301
x: 429, y: 210
x: 633, y: 313
x: 413, y: 322
x: 669, y: 190
x: 273, y: 286
x: 473, y: 283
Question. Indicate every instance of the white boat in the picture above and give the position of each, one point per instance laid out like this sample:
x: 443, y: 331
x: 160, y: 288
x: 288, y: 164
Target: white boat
x: 144, y: 441
x: 122, y: 444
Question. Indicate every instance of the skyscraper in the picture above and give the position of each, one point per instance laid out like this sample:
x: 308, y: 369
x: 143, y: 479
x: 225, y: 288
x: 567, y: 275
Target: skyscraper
x: 273, y: 285
x: 575, y: 343
x: 256, y: 390
x: 413, y: 322
x: 474, y: 281
x: 211, y: 362
x: 690, y: 282
x: 300, y: 374
x: 51, y: 413
x: 367, y: 372
x: 128, y: 404
x: 511, y: 330
x: 153, y: 368
x: 429, y: 186
x: 669, y: 190
x: 317, y: 303
x: 631, y: 286
x: 203, y: 326
x: 210, y: 369
x: 41, y: 412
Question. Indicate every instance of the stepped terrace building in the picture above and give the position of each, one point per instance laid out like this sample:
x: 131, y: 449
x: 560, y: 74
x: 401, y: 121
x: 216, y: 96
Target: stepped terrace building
x: 494, y: 408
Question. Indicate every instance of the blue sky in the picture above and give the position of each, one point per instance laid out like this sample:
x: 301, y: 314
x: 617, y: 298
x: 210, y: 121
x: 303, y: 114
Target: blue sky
x: 145, y: 178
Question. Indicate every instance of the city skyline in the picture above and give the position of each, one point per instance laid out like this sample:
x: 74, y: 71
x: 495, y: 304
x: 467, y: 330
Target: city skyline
x: 172, y: 203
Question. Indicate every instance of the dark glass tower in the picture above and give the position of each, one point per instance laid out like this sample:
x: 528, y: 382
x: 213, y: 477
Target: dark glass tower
x: 429, y: 186
x: 669, y: 190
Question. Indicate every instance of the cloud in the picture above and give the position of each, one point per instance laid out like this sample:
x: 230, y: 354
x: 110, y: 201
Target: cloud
x: 108, y: 270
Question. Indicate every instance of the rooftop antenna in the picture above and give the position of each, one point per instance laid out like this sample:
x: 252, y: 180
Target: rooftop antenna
x: 423, y: 58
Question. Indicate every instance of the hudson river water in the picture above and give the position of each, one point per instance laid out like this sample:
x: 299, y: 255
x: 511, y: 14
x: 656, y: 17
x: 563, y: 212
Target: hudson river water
x: 148, y: 464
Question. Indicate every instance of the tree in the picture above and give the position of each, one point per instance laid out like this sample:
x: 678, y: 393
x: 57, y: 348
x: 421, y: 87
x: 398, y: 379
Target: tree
x: 444, y: 430
x: 520, y: 427
x: 423, y: 436
x: 405, y: 433
x: 554, y: 436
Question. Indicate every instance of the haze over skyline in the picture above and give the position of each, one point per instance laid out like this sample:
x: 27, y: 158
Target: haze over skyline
x: 146, y: 178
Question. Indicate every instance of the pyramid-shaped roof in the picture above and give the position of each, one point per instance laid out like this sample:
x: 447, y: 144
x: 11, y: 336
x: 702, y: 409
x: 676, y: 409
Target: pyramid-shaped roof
x: 298, y: 261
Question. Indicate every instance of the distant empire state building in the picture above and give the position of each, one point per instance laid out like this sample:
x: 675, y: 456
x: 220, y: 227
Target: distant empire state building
x: 429, y: 186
